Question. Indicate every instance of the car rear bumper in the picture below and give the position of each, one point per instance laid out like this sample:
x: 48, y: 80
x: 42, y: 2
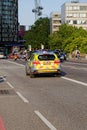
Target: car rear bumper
x: 47, y: 71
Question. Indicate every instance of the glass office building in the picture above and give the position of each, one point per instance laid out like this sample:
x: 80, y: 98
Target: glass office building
x: 8, y: 21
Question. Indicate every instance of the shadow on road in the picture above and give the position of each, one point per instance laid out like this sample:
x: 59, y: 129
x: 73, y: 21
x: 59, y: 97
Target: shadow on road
x: 50, y: 75
x: 63, y: 73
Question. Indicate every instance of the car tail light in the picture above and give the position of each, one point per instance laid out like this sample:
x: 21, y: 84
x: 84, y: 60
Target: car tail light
x: 36, y: 62
x: 56, y: 61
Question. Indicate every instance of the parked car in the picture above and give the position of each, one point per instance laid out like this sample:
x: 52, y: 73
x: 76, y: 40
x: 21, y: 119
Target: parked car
x: 43, y: 62
x: 2, y: 55
x: 12, y: 55
x: 61, y: 54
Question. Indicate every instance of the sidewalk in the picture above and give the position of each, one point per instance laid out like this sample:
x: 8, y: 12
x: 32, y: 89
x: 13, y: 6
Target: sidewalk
x: 80, y: 60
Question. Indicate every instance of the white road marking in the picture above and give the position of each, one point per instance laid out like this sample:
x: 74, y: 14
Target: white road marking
x: 16, y: 63
x: 22, y: 97
x: 10, y: 85
x: 45, y: 120
x: 19, y: 94
x: 75, y: 81
x: 7, y: 82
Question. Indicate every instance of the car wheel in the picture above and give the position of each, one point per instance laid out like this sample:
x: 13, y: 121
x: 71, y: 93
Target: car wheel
x: 58, y: 74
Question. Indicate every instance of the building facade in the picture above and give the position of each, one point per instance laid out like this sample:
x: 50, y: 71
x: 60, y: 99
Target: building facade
x: 75, y: 14
x: 8, y: 21
x: 55, y: 22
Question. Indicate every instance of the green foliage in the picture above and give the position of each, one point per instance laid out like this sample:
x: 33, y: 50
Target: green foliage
x: 55, y: 41
x: 38, y: 34
x: 69, y: 38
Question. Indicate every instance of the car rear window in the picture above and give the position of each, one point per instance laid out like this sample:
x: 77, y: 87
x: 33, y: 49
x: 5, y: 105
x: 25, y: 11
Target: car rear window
x: 46, y: 57
x: 1, y: 53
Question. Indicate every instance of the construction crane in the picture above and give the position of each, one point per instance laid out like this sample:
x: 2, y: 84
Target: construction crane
x: 38, y: 9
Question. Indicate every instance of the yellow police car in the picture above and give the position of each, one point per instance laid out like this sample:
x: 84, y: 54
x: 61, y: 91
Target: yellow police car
x: 43, y: 62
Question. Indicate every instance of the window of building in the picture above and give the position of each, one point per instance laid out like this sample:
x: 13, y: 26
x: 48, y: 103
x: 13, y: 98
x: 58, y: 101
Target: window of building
x: 69, y: 8
x: 83, y: 7
x: 55, y: 26
x: 75, y: 7
x: 83, y: 21
x: 79, y: 22
x: 74, y: 21
x: 55, y: 21
x: 69, y: 22
x: 82, y: 15
x: 75, y: 15
x: 55, y: 16
x: 69, y: 15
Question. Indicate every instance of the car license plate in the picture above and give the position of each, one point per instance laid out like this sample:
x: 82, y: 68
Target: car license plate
x: 46, y: 63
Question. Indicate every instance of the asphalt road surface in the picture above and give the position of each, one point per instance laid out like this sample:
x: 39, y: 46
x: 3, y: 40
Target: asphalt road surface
x: 43, y: 103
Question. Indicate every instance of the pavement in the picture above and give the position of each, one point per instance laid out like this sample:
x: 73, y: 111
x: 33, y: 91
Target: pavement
x: 80, y: 60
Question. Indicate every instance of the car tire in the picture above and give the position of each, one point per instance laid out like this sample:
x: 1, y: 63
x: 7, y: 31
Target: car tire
x: 58, y: 74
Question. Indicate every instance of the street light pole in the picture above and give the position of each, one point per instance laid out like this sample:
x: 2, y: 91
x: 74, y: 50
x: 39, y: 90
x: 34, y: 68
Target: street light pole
x: 38, y: 9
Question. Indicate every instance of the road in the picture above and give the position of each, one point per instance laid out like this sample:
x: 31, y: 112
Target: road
x: 43, y: 103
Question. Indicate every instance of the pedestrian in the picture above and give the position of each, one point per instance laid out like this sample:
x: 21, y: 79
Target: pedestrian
x: 78, y: 55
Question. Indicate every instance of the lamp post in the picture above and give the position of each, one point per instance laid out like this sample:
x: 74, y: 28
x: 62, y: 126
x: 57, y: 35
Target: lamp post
x: 37, y: 10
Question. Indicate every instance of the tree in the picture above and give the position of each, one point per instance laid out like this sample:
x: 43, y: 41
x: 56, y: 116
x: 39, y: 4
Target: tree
x: 38, y: 34
x: 68, y: 38
x: 55, y: 41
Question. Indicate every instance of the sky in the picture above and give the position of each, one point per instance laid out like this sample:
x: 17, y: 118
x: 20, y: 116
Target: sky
x: 27, y: 17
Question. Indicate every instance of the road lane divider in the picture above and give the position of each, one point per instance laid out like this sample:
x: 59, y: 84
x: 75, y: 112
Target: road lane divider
x: 22, y: 97
x: 75, y: 81
x: 10, y: 85
x: 16, y: 63
x: 45, y: 120
x: 18, y: 93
